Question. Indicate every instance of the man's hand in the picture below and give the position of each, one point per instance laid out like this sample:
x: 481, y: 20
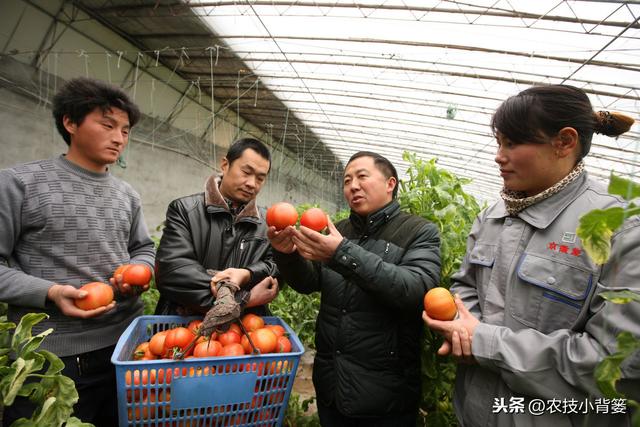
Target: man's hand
x: 458, y: 333
x: 316, y: 246
x: 239, y: 276
x: 65, y: 295
x: 264, y: 292
x: 281, y: 240
x: 126, y: 289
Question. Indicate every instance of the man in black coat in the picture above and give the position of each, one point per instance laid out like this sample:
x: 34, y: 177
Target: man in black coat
x: 372, y: 271
x: 219, y: 230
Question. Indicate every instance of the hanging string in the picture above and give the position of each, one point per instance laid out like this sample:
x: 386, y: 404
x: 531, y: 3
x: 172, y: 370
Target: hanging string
x: 108, y: 55
x: 212, y: 146
x: 135, y: 75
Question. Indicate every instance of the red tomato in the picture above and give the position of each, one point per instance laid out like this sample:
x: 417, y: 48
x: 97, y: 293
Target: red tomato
x: 229, y: 337
x: 314, y: 218
x: 233, y: 349
x: 136, y: 275
x: 142, y: 352
x: 251, y: 322
x: 98, y: 295
x: 282, y: 214
x: 283, y: 345
x: 265, y: 340
x: 277, y: 329
x: 120, y: 270
x: 177, y: 340
x: 207, y: 349
x: 194, y: 326
x: 235, y: 328
x: 156, y: 343
x: 439, y: 304
x: 244, y: 342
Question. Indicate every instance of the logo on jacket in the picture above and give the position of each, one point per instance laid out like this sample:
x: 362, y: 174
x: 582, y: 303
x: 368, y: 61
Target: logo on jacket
x: 564, y: 249
x: 569, y: 237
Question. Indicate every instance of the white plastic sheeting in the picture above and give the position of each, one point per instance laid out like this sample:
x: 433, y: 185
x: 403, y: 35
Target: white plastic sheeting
x: 425, y: 76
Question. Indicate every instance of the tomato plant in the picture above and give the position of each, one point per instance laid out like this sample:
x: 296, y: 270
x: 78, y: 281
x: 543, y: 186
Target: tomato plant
x: 98, y: 295
x: 439, y: 304
x: 314, y: 218
x: 281, y: 214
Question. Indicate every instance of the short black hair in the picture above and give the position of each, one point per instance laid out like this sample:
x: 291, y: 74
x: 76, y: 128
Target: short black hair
x: 382, y: 163
x: 238, y: 146
x: 540, y: 112
x: 80, y: 96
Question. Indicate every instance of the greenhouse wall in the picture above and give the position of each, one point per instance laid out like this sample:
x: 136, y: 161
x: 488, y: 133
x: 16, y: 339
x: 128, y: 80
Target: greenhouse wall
x: 178, y: 142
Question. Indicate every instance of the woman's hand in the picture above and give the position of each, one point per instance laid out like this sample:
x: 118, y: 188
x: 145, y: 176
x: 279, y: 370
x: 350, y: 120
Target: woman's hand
x: 458, y: 333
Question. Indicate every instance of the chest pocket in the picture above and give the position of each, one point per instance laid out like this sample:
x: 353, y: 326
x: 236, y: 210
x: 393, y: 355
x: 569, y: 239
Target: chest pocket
x: 548, y: 295
x: 247, y: 250
x: 482, y: 258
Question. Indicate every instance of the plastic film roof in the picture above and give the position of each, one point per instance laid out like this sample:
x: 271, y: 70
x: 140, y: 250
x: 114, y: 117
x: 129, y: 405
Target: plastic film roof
x: 426, y: 76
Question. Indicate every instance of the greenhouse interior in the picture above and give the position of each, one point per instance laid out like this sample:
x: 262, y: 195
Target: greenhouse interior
x: 415, y: 81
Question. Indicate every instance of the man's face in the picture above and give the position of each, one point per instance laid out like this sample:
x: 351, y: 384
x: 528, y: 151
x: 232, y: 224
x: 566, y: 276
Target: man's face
x: 100, y: 139
x: 365, y: 187
x: 243, y: 179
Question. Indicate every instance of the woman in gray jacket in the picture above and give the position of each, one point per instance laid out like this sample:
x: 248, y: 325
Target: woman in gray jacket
x: 532, y: 326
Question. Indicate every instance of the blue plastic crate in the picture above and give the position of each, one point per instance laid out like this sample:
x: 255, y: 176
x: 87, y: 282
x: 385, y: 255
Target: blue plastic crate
x: 251, y: 390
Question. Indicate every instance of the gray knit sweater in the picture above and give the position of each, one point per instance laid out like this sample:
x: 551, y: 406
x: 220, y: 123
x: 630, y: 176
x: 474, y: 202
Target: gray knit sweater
x: 60, y: 223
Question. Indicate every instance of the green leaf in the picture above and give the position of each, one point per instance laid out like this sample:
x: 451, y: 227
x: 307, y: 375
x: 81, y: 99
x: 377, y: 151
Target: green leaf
x: 32, y: 344
x: 623, y: 187
x: 23, y: 330
x: 55, y: 364
x: 608, y: 371
x: 620, y: 297
x: 596, y: 229
x: 11, y: 384
x: 75, y: 422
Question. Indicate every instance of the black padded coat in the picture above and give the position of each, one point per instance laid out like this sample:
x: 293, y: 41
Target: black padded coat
x: 369, y: 328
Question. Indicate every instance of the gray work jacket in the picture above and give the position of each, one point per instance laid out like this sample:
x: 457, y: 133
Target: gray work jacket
x: 544, y: 327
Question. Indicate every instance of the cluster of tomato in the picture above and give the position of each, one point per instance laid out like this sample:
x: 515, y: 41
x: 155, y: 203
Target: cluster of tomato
x: 282, y: 214
x: 179, y: 340
x: 150, y: 388
x: 101, y: 294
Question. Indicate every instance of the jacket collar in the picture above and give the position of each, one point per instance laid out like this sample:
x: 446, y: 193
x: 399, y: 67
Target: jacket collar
x: 543, y: 213
x: 215, y: 202
x: 372, y: 222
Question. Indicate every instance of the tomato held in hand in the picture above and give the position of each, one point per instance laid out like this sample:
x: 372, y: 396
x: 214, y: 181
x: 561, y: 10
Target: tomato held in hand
x: 314, y: 218
x: 282, y: 214
x: 136, y: 275
x: 439, y: 304
x: 98, y: 295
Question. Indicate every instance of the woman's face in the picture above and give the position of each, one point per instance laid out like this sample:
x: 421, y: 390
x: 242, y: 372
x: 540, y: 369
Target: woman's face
x: 528, y: 167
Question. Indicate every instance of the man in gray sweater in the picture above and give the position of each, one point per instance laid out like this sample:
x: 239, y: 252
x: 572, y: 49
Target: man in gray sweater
x: 67, y: 221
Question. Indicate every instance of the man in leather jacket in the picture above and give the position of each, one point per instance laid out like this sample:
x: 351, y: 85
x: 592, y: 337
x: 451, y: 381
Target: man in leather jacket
x: 219, y: 234
x: 372, y: 271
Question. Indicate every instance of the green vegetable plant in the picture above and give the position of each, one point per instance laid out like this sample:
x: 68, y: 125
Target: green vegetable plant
x: 23, y: 373
x: 438, y: 195
x: 596, y: 229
